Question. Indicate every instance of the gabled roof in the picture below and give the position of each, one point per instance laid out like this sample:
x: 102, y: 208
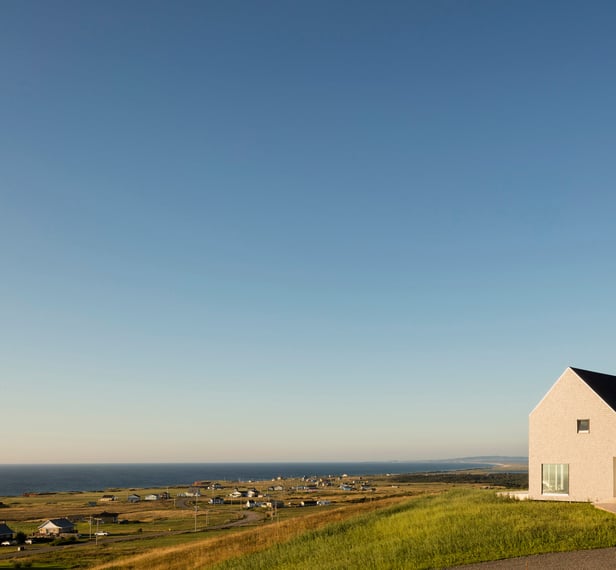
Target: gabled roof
x: 604, y: 385
x: 4, y: 529
x: 60, y: 523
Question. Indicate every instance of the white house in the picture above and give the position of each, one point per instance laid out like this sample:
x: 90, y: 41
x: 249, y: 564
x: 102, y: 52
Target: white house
x: 56, y: 527
x: 108, y: 498
x: 572, y: 439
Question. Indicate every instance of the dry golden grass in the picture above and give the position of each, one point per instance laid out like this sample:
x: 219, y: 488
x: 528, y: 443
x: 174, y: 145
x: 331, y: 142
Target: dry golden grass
x: 211, y: 551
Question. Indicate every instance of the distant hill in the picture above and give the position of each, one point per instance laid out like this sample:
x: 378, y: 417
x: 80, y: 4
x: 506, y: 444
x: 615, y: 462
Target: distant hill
x: 488, y: 459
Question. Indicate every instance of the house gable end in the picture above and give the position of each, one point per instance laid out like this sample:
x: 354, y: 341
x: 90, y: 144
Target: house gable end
x: 572, y: 434
x: 561, y: 384
x: 601, y: 385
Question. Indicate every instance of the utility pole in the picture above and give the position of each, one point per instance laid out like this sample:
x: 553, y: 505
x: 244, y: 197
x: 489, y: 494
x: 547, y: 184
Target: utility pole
x: 196, y: 509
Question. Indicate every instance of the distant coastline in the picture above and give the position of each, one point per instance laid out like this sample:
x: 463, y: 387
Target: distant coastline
x: 19, y: 479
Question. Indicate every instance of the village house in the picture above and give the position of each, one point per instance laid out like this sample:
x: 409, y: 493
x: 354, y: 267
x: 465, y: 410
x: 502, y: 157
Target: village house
x: 307, y: 503
x: 108, y: 498
x: 106, y: 517
x: 134, y: 498
x: 56, y: 527
x: 6, y: 533
x: 572, y: 439
x: 273, y: 504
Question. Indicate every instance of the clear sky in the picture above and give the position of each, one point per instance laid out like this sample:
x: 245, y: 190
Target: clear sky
x: 300, y: 230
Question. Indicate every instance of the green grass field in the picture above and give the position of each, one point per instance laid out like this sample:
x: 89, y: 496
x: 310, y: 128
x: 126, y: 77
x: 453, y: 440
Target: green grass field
x: 458, y: 527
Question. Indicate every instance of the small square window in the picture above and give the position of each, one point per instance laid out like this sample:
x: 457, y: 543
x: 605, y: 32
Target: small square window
x: 583, y: 426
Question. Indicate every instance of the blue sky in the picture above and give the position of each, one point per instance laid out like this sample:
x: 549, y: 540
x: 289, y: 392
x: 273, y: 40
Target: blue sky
x: 300, y: 230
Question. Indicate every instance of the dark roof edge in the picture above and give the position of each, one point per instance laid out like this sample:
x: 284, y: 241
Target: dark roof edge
x: 604, y: 385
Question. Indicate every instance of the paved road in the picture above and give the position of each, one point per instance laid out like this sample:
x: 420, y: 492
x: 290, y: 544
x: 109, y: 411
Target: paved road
x: 597, y: 559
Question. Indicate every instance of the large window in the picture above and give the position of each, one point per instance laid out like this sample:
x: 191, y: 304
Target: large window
x: 555, y: 478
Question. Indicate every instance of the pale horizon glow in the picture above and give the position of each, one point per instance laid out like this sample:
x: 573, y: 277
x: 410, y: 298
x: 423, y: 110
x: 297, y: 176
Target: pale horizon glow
x: 300, y: 231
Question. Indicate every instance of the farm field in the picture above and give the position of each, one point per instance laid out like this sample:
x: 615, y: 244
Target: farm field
x: 173, y: 534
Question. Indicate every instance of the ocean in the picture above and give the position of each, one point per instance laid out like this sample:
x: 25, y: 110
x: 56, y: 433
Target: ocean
x: 19, y: 479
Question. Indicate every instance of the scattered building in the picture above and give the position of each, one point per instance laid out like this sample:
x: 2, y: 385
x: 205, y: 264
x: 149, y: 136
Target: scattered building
x: 56, y: 527
x: 308, y: 503
x: 273, y: 504
x: 134, y: 498
x: 108, y: 498
x: 6, y: 533
x: 106, y: 517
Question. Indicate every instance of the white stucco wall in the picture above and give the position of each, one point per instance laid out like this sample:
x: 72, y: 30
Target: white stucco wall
x: 553, y: 438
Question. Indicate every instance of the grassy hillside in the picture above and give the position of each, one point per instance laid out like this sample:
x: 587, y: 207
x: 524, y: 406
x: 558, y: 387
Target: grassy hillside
x: 398, y: 525
x: 458, y: 527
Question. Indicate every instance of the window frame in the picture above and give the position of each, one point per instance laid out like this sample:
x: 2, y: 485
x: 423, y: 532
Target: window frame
x: 555, y: 479
x: 581, y: 423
